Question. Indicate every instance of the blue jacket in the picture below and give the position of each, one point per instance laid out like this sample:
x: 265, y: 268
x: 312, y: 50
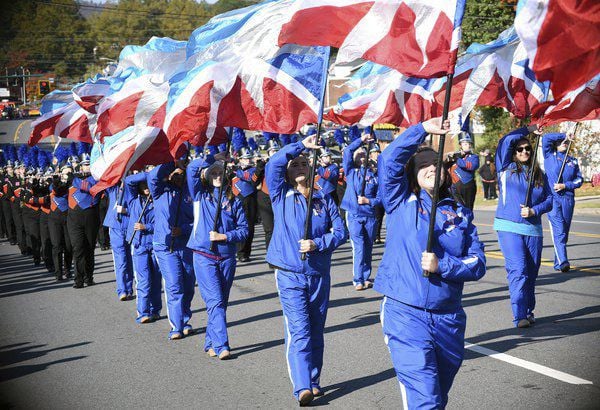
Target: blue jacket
x: 354, y: 178
x: 466, y: 167
x: 457, y: 245
x: 116, y: 196
x: 167, y: 198
x: 329, y: 178
x: 232, y: 223
x: 289, y: 209
x: 513, y: 186
x: 244, y: 181
x: 553, y: 160
x: 135, y: 204
x: 79, y: 193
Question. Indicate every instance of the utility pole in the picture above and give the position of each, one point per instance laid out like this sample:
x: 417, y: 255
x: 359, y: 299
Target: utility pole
x: 23, y: 92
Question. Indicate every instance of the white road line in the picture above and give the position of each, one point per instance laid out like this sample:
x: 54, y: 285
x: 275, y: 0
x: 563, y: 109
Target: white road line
x: 538, y: 368
x: 586, y: 222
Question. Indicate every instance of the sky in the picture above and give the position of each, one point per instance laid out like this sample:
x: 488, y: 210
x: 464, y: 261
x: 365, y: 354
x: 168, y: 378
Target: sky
x: 115, y: 1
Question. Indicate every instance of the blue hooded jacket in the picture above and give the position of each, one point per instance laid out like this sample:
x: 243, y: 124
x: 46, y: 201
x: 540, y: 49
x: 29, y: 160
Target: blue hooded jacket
x: 457, y: 245
x: 354, y: 178
x: 135, y: 204
x: 553, y: 160
x: 232, y: 223
x: 513, y: 190
x: 116, y: 196
x: 289, y: 208
x: 167, y: 198
x: 466, y: 167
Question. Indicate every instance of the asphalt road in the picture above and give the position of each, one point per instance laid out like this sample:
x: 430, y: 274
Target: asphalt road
x: 67, y: 348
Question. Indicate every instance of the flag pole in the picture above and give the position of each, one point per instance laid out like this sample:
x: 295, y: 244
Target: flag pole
x: 364, y: 181
x: 438, y: 169
x: 172, y: 244
x: 313, y: 168
x: 564, y: 162
x: 533, y: 159
x: 213, y: 245
x: 139, y: 219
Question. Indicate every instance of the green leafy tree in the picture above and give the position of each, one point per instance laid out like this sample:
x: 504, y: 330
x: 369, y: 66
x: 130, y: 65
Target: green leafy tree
x: 485, y: 19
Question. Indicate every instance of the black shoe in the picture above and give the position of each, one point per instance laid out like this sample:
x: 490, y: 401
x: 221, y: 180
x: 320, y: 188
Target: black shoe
x: 78, y: 285
x: 244, y: 259
x: 68, y: 274
x: 13, y: 243
x: 90, y: 283
x: 565, y: 267
x: 60, y: 278
x: 37, y: 262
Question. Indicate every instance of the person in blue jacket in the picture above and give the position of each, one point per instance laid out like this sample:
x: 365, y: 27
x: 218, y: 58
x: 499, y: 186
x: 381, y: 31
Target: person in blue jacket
x: 173, y: 218
x: 422, y: 317
x: 563, y: 194
x: 329, y: 174
x: 303, y: 285
x: 215, y: 269
x: 117, y: 221
x: 140, y: 230
x: 361, y: 209
x: 244, y: 186
x: 519, y: 224
x: 463, y: 171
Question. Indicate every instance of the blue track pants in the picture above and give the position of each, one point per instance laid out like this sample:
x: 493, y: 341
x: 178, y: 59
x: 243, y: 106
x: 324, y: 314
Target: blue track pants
x: 215, y: 278
x: 304, y: 301
x: 427, y: 350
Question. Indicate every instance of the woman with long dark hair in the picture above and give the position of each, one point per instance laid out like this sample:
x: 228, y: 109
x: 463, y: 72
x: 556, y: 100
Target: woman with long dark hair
x: 422, y: 316
x: 215, y: 266
x: 519, y: 224
x: 303, y: 285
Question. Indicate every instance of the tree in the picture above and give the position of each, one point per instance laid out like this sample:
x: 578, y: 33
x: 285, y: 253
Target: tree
x: 484, y: 20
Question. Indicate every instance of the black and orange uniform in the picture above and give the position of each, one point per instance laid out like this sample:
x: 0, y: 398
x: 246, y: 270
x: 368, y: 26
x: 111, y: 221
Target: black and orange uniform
x: 82, y: 223
x: 263, y: 200
x: 62, y: 251
x: 17, y: 214
x: 5, y: 200
x: 103, y: 231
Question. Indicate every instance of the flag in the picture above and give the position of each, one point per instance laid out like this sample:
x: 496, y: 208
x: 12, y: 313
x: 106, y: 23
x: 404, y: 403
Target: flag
x: 69, y: 121
x: 580, y: 104
x: 88, y: 94
x: 418, y: 38
x: 54, y: 100
x: 562, y: 39
x: 237, y: 75
x: 138, y: 102
x: 121, y: 152
x: 494, y: 74
x: 384, y: 95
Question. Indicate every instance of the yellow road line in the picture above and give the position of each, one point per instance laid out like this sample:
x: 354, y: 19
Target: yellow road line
x: 16, y: 137
x: 583, y: 234
x: 545, y: 262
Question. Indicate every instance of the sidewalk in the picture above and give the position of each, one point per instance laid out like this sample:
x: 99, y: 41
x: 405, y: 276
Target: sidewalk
x: 578, y: 210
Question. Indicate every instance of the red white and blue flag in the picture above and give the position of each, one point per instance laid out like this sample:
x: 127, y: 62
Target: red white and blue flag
x: 577, y: 105
x: 88, y: 94
x: 494, y: 74
x: 237, y: 75
x: 69, y: 121
x: 418, y: 38
x: 562, y: 39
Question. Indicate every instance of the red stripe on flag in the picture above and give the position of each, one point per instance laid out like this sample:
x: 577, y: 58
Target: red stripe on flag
x: 119, y: 116
x: 307, y: 27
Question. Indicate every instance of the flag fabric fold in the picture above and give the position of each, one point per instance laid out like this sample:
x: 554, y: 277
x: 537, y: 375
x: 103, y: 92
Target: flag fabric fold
x: 562, y: 39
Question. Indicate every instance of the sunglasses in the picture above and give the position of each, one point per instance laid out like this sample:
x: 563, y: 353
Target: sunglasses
x: 525, y: 148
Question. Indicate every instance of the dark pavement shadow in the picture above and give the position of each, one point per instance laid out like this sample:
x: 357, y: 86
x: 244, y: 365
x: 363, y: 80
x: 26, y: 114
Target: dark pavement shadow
x: 335, y: 391
x: 546, y: 328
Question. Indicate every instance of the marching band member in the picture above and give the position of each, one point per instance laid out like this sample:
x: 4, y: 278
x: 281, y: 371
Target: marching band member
x: 463, y: 171
x: 422, y: 317
x: 563, y: 194
x: 62, y: 251
x: 329, y: 174
x: 173, y: 218
x: 82, y: 223
x: 244, y: 186
x: 117, y: 220
x: 265, y: 208
x: 140, y: 229
x: 214, y: 269
x: 303, y: 285
x: 519, y: 224
x: 361, y: 209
